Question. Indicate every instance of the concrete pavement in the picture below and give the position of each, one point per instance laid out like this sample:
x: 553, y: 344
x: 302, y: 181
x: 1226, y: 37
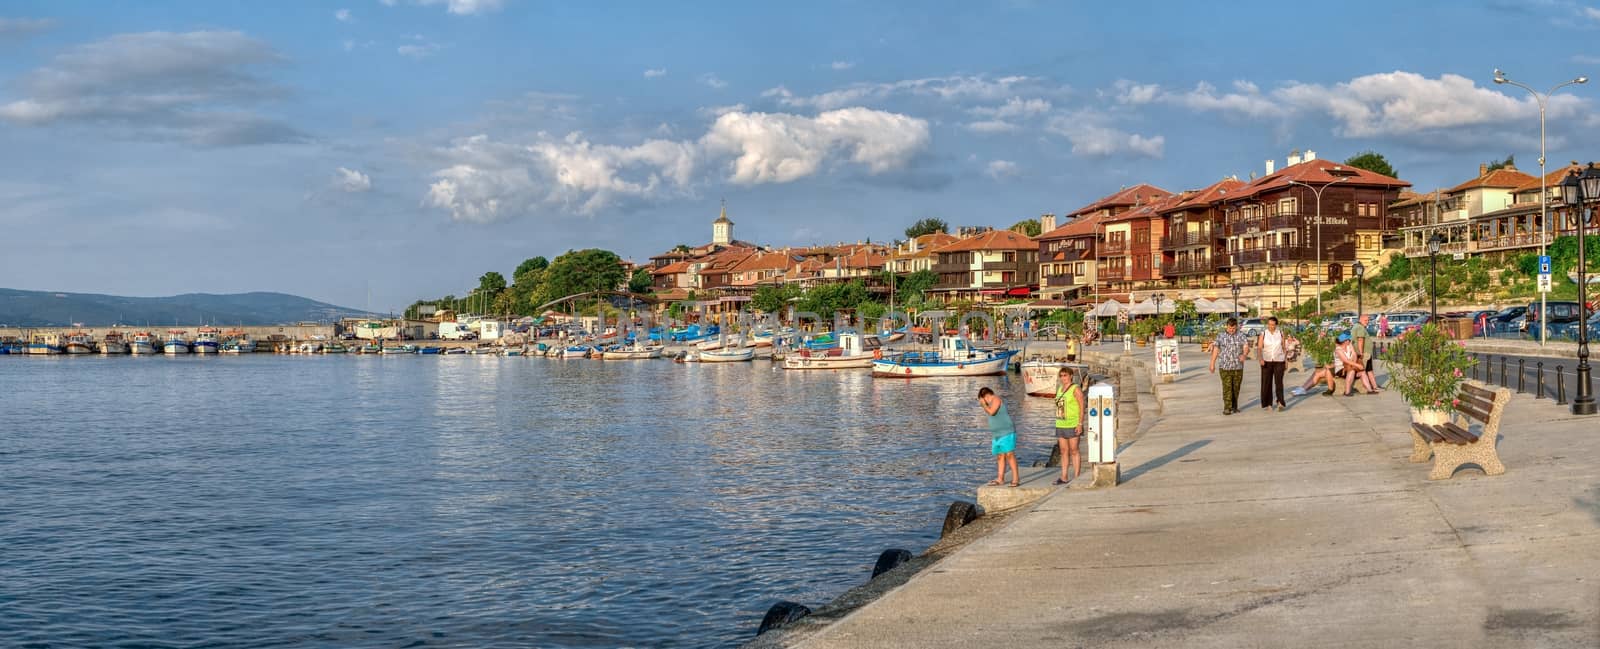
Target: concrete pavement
x: 1265, y: 529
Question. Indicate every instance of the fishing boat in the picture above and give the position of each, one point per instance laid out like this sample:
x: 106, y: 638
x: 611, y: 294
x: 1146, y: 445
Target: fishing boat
x: 335, y: 348
x: 511, y: 351
x: 729, y: 354
x: 635, y: 351
x: 690, y: 356
x: 207, y: 340
x: 402, y: 349
x: 46, y: 344
x: 575, y: 351
x: 1039, y: 375
x: 371, y: 348
x: 454, y: 350
x: 956, y: 357
x: 177, y: 342
x: 79, y: 342
x: 12, y: 345
x: 236, y: 341
x: 854, y: 351
x: 731, y: 342
x: 310, y: 347
x: 113, y: 343
x: 143, y: 343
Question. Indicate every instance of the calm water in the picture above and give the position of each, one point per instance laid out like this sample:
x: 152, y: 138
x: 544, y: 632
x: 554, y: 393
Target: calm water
x: 459, y: 501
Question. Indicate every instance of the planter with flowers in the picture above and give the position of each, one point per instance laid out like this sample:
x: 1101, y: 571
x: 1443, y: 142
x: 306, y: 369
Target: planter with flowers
x: 1427, y: 367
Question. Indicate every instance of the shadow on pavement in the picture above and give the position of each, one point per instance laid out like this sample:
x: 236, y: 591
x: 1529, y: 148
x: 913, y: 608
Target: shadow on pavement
x: 1156, y: 463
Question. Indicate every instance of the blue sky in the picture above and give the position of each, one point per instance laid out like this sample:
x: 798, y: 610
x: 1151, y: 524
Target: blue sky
x: 406, y: 147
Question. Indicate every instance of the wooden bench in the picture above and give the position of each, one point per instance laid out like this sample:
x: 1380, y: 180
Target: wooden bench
x: 1452, y: 445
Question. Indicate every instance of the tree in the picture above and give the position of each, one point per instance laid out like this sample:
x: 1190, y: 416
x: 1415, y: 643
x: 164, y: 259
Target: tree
x: 1374, y: 162
x: 582, y: 271
x: 914, y: 287
x: 1029, y: 227
x: 530, y: 265
x: 1510, y: 161
x: 492, y: 283
x: 641, y: 282
x: 773, y: 299
x: 824, y: 300
x: 927, y: 226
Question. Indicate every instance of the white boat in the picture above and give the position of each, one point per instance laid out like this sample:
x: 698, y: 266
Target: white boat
x: 728, y: 355
x: 575, y: 351
x: 144, y: 343
x: 45, y: 344
x: 691, y: 356
x: 1039, y: 375
x: 177, y: 342
x: 402, y: 349
x: 113, y: 343
x: 731, y: 342
x: 956, y: 357
x: 206, y: 340
x: 855, y: 351
x: 238, y: 342
x: 309, y: 348
x: 635, y: 351
x: 79, y: 342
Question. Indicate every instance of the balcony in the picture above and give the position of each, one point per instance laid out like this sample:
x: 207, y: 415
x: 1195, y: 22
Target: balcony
x: 1186, y: 239
x: 1112, y: 274
x: 1190, y: 266
x: 1000, y: 265
x: 1274, y: 255
x: 1266, y: 224
x: 951, y: 268
x: 1503, y: 242
x: 1114, y: 248
x: 1067, y: 279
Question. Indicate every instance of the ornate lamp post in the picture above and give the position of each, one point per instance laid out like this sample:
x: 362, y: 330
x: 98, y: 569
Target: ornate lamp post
x: 1574, y: 191
x: 1360, y: 271
x: 1158, y: 298
x: 1433, y: 271
x: 1297, y: 300
x: 1544, y: 197
x: 1236, y: 301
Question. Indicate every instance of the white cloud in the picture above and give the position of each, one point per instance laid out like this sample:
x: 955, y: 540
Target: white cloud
x: 655, y: 72
x: 1091, y: 137
x: 1591, y: 13
x: 419, y: 48
x: 842, y: 65
x: 342, y: 15
x: 992, y: 126
x: 1128, y: 92
x: 462, y: 7
x: 483, y: 180
x: 952, y: 88
x: 21, y: 27
x: 712, y: 81
x: 195, y: 87
x: 998, y: 169
x: 352, y: 181
x: 1014, y: 108
x: 1584, y: 59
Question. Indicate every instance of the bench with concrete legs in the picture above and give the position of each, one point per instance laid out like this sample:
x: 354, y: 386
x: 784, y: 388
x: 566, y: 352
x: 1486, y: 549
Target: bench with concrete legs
x: 1453, y: 445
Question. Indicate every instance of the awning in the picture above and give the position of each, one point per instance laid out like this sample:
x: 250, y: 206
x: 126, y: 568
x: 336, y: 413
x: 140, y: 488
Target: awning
x: 1019, y: 291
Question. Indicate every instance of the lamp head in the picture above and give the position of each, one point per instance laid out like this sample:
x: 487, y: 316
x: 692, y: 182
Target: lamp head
x: 1434, y: 242
x: 1581, y: 80
x: 1591, y: 182
x: 1358, y: 269
x: 1499, y: 77
x: 1570, y: 187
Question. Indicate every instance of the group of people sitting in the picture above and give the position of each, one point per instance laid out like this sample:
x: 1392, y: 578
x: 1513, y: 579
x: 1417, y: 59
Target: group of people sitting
x: 1352, y: 361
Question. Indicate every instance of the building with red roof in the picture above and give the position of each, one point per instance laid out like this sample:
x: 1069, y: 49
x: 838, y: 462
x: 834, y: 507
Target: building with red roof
x: 1192, y: 240
x: 990, y: 267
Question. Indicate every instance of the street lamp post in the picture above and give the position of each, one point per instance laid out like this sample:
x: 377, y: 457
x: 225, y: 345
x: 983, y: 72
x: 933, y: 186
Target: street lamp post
x: 1297, y: 300
x: 1574, y: 191
x: 1433, y: 272
x: 1359, y: 271
x: 1320, y: 270
x: 1235, y: 301
x: 1544, y: 218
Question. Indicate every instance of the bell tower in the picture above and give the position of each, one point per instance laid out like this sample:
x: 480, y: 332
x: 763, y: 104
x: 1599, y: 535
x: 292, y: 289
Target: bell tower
x: 722, y: 228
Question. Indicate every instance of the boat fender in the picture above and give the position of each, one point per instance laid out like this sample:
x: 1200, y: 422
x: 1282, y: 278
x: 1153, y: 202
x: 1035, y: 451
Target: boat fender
x: 877, y: 354
x: 781, y: 615
x: 889, y: 560
x: 959, y: 515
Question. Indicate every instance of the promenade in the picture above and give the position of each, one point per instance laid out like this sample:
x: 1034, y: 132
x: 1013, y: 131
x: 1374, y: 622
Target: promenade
x: 1305, y: 528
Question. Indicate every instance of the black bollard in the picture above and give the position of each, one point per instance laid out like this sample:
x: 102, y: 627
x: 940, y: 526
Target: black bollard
x: 960, y: 513
x: 1503, y: 371
x: 781, y: 614
x: 1477, y: 359
x: 889, y: 560
x: 1561, y: 387
x: 1520, y: 376
x: 1539, y: 387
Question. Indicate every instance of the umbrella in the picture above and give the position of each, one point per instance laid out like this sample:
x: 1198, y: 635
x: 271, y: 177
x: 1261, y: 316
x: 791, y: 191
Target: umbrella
x: 1147, y: 307
x: 1202, y: 305
x: 1107, y: 309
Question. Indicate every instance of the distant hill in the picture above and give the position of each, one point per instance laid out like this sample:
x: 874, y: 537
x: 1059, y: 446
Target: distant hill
x: 50, y: 309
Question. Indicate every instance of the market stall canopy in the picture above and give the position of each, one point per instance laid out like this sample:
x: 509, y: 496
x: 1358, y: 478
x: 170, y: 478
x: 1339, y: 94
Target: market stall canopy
x: 1202, y: 305
x: 1223, y: 305
x: 1107, y: 309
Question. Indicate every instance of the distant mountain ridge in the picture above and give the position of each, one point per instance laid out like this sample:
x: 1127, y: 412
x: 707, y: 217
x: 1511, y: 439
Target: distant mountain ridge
x: 20, y: 308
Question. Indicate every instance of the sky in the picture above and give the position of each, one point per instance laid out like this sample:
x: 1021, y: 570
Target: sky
x: 374, y: 152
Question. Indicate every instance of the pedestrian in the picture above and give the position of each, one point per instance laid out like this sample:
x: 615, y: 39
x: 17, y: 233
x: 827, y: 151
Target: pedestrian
x: 1072, y: 348
x: 1229, y: 352
x: 1070, y: 406
x: 1364, y: 354
x: 1383, y: 325
x: 1272, y: 348
x: 1003, y: 437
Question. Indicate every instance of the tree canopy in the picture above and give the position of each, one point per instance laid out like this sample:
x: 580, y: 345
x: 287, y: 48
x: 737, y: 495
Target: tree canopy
x: 913, y: 288
x: 641, y: 282
x: 927, y: 226
x: 529, y: 265
x: 773, y: 299
x: 1374, y: 162
x: 1510, y: 161
x: 1029, y: 227
x: 582, y: 271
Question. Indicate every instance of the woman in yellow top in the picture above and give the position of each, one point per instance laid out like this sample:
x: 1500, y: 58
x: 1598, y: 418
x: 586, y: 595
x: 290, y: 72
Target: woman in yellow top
x: 1070, y: 406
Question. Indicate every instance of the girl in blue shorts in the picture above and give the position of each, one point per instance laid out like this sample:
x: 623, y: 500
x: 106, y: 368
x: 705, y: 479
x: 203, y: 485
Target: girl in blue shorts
x: 1003, y: 434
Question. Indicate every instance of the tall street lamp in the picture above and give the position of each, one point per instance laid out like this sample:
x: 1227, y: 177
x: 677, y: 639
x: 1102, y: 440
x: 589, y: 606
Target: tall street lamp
x: 1544, y: 217
x: 1433, y: 271
x: 1574, y: 191
x: 1158, y: 298
x: 1297, y: 300
x: 1318, y: 191
x: 1236, y: 301
x: 1359, y: 270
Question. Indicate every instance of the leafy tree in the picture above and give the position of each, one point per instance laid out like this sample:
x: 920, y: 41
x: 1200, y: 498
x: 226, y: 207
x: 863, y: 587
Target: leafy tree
x: 682, y: 247
x: 1029, y: 227
x: 1510, y: 161
x: 826, y: 299
x: 926, y: 226
x: 773, y: 299
x: 582, y: 271
x: 641, y: 282
x: 530, y: 265
x: 1374, y: 162
x: 492, y: 283
x: 914, y: 287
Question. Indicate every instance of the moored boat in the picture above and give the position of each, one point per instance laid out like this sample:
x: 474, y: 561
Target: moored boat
x: 956, y: 357
x: 371, y: 348
x: 854, y: 351
x: 236, y: 341
x: 206, y: 340
x: 635, y: 351
x: 308, y: 348
x: 1039, y: 375
x: 46, y: 344
x: 729, y: 354
x: 113, y: 343
x: 402, y: 349
x: 79, y: 342
x: 143, y: 343
x: 576, y: 351
x: 177, y: 342
x: 335, y: 348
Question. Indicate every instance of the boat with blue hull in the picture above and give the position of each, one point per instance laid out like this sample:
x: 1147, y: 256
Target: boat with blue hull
x: 956, y: 357
x: 46, y: 344
x: 207, y: 340
x: 177, y: 342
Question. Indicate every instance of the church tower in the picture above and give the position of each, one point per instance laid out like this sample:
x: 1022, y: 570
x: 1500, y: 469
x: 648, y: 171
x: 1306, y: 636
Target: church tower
x: 722, y: 228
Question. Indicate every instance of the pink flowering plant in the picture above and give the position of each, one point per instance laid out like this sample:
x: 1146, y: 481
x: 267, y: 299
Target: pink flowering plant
x: 1428, y: 367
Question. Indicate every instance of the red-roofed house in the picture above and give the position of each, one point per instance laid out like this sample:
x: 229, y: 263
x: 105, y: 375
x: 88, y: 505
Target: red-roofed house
x: 1132, y: 254
x: 916, y: 254
x: 1499, y: 210
x: 1193, y: 242
x: 989, y: 267
x: 1067, y: 258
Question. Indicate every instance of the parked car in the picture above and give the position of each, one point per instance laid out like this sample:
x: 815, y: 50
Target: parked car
x: 1505, y: 320
x: 1400, y: 323
x: 1569, y: 330
x: 1252, y: 327
x: 1479, y: 319
x: 1561, y: 312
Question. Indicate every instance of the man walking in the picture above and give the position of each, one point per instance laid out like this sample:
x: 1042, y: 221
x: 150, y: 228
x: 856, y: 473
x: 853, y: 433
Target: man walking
x: 1231, y: 348
x: 1273, y: 350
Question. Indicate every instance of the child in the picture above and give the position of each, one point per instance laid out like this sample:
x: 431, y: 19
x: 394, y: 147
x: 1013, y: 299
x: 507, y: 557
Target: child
x: 1004, y: 436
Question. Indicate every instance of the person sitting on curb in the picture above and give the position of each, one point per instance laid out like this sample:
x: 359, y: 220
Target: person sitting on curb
x: 1349, y: 364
